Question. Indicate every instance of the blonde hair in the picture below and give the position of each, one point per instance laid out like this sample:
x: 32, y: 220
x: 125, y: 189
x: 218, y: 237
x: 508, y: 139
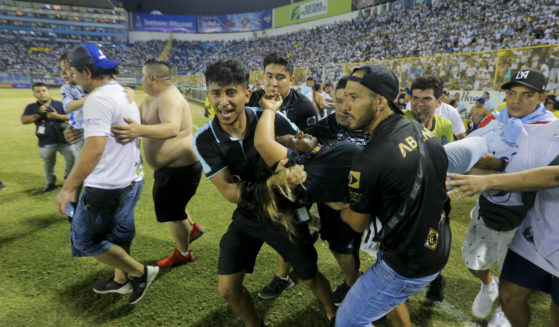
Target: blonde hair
x: 280, y: 182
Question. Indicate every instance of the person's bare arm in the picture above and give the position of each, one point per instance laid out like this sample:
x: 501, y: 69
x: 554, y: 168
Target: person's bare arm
x: 28, y: 119
x: 264, y: 137
x: 480, y: 171
x: 322, y: 103
x: 357, y: 221
x: 169, y: 115
x: 460, y: 136
x: 129, y: 94
x: 225, y: 184
x: 72, y: 135
x: 490, y: 162
x: 525, y: 181
x: 75, y: 105
x: 57, y: 116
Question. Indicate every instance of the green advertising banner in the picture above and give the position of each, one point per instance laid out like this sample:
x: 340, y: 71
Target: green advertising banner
x: 305, y: 11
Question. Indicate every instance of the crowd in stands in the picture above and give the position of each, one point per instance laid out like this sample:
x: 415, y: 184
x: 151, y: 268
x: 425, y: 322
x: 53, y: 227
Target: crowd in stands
x: 17, y: 58
x: 448, y: 27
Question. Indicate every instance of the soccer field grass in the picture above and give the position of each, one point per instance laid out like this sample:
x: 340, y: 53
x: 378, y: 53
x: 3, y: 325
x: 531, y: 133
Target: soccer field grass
x: 42, y: 285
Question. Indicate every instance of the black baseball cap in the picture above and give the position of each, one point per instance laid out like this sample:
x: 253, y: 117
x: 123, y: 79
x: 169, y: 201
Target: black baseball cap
x: 379, y: 80
x: 87, y: 54
x: 530, y: 78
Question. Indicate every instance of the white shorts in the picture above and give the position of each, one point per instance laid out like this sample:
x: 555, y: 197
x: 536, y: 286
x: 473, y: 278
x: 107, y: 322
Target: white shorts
x: 483, y: 246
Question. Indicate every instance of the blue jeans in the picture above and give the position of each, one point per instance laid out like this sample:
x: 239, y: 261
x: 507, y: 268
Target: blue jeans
x: 48, y: 154
x: 92, y: 234
x: 376, y: 293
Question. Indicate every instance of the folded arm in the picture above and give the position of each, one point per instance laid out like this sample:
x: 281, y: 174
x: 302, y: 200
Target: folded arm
x: 264, y: 137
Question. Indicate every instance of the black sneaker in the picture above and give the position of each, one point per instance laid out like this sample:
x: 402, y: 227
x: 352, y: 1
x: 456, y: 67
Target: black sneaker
x: 339, y: 294
x: 275, y: 287
x: 111, y: 286
x: 49, y: 188
x: 436, y: 289
x: 141, y: 284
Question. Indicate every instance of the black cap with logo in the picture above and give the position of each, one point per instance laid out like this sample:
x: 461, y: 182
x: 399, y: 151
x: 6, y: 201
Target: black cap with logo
x: 379, y: 80
x: 530, y: 78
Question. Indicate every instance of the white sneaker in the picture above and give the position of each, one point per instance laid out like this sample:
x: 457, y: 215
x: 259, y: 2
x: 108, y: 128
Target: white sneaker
x: 499, y: 319
x: 484, y: 300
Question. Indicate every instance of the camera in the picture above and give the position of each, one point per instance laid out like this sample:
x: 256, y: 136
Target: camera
x: 302, y: 215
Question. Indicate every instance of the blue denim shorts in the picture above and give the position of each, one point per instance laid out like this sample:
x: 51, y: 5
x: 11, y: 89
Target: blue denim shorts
x: 376, y: 293
x: 92, y: 234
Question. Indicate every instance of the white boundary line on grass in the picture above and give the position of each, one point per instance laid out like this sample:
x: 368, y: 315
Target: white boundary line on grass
x: 456, y: 313
x: 459, y: 315
x: 196, y: 127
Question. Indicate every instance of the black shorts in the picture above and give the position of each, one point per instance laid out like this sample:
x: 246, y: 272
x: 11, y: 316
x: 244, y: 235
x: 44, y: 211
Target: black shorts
x: 240, y: 245
x: 516, y: 270
x: 172, y: 189
x: 341, y: 238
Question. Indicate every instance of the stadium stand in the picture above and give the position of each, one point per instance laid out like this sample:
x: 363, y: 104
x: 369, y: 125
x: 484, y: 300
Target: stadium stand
x: 448, y: 28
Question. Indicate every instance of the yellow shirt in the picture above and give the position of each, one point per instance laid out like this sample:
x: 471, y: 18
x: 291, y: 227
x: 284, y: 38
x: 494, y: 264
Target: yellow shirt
x: 442, y: 130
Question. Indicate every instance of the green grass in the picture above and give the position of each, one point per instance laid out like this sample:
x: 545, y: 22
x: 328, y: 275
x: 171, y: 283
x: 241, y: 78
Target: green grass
x: 42, y: 285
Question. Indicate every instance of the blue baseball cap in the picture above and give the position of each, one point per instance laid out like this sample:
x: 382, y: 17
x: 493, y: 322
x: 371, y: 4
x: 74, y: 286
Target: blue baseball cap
x: 87, y: 54
x: 481, y: 100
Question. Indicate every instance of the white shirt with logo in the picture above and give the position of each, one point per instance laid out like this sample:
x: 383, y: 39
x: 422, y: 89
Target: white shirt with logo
x: 537, y: 237
x: 449, y: 112
x: 120, y: 164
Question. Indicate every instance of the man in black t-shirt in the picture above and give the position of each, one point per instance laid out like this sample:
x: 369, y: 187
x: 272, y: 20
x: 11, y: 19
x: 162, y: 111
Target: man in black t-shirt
x: 48, y: 116
x: 225, y: 147
x: 343, y: 241
x: 278, y: 77
x: 398, y: 184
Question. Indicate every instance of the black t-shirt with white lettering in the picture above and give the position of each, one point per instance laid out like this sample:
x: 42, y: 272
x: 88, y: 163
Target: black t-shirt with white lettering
x: 382, y: 177
x: 295, y: 106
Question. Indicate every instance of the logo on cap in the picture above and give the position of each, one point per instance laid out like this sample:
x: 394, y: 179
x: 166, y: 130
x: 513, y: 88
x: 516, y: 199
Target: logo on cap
x: 101, y: 55
x: 522, y: 74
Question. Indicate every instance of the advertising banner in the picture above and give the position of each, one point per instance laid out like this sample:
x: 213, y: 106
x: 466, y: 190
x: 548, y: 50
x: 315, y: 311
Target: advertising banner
x: 5, y: 85
x: 163, y: 23
x: 252, y: 21
x: 47, y: 80
x: 127, y: 80
x: 21, y: 86
x: 309, y: 10
x: 407, y: 4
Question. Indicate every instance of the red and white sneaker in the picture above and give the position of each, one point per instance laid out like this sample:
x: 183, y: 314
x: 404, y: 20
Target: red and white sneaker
x: 176, y: 259
x: 196, y: 232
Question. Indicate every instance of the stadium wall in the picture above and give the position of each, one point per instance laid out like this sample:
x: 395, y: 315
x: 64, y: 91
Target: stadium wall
x: 146, y: 36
